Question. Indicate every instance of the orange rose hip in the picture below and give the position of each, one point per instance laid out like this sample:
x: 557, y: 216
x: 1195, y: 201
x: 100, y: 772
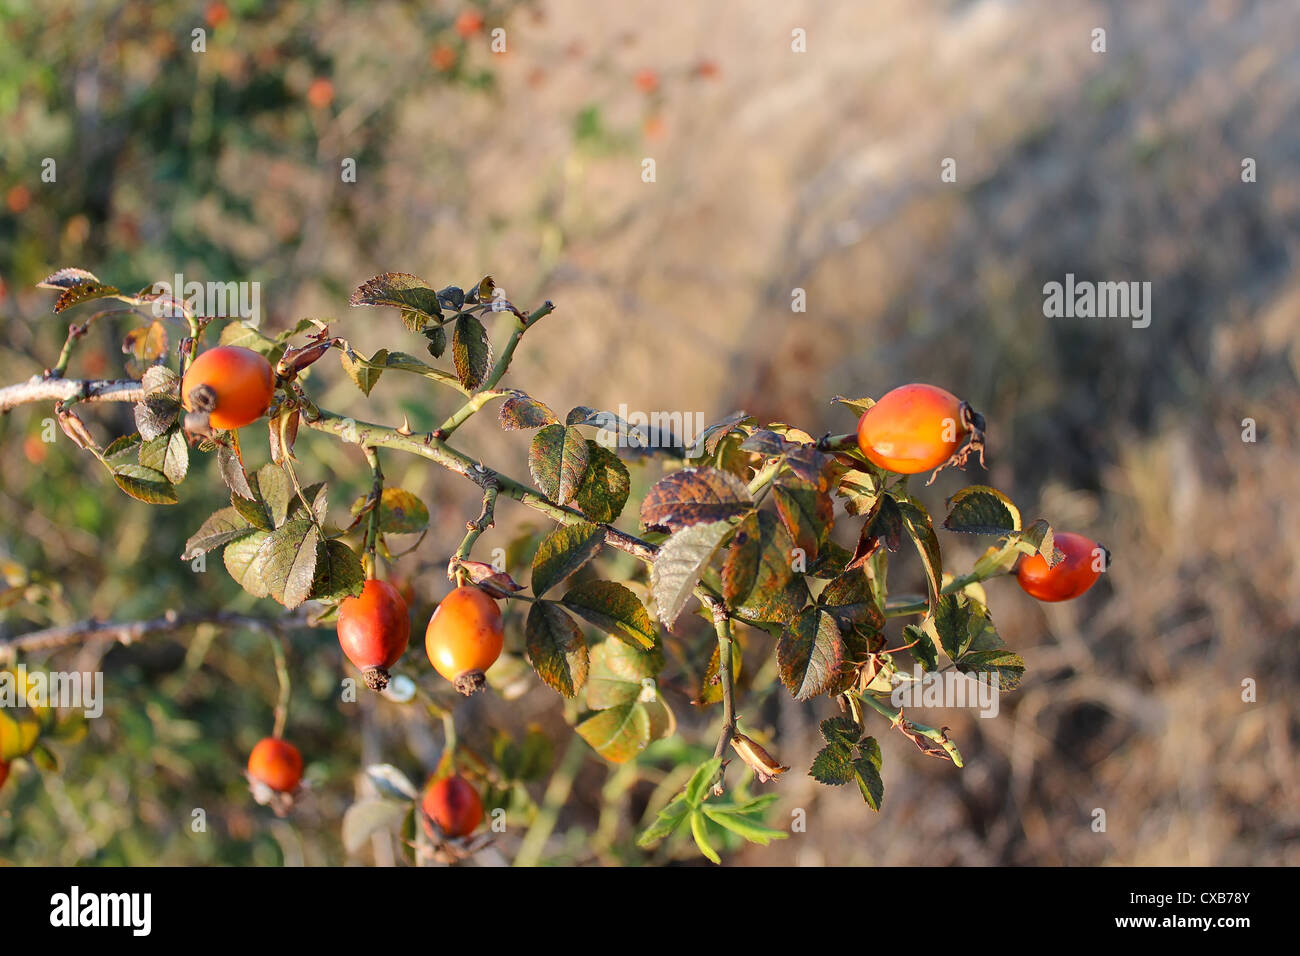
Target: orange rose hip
x: 464, y: 637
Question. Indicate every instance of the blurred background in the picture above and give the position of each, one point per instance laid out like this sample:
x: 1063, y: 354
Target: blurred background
x: 776, y: 170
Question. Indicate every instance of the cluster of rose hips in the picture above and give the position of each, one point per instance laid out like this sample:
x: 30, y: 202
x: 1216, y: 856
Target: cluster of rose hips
x: 912, y: 429
x: 918, y: 428
x: 234, y: 386
x: 463, y: 639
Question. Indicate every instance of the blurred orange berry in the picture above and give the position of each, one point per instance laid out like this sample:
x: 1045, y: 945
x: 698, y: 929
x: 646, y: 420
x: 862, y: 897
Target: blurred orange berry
x: 216, y: 14
x: 469, y: 23
x: 653, y: 127
x: 321, y: 93
x: 444, y: 58
x: 706, y: 69
x: 19, y: 198
x: 647, y: 80
x: 34, y: 449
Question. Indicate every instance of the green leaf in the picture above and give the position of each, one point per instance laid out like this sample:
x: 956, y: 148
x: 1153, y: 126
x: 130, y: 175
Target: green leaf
x: 401, y: 290
x: 811, y: 655
x: 956, y: 621
x: 743, y: 824
x: 697, y: 786
x: 850, y: 598
x: 923, y: 649
x: 271, y: 484
x: 564, y: 551
x: 363, y: 371
x: 700, y: 833
x: 120, y: 446
x: 159, y: 380
x: 665, y: 823
x: 807, y: 513
x: 84, y: 292
x: 243, y: 558
x: 402, y: 362
x: 245, y: 336
x: 317, y: 495
x: 557, y: 460
x: 860, y: 491
x: 1038, y: 536
x: 856, y: 405
x: 220, y: 528
x: 833, y: 765
x: 982, y: 510
x: 400, y: 512
x: 339, y: 572
x: 621, y: 674
x: 758, y: 564
x: 68, y: 277
x: 1009, y: 667
x: 694, y: 496
x: 842, y: 731
x: 154, y: 414
x: 145, y: 484
x: 471, y: 351
x: 287, y: 561
x: 867, y: 768
x: 714, y: 434
x: 680, y: 562
x: 605, y: 486
x: 917, y: 523
x: 618, y: 733
x: 437, y: 337
x: 521, y: 411
x: 777, y: 606
x: 556, y: 648
x: 169, y: 454
x: 252, y: 511
x: 232, y: 472
x: 614, y: 609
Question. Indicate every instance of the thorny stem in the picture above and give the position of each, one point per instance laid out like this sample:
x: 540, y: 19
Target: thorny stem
x: 475, y: 528
x: 487, y: 391
x: 722, y: 624
x: 75, y: 332
x: 375, y: 503
x: 847, y: 442
x: 763, y: 479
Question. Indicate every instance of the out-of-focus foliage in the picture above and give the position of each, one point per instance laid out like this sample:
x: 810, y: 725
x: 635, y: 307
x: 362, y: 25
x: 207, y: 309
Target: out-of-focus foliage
x: 776, y: 171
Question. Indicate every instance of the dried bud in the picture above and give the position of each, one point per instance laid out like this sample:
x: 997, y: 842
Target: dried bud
x: 295, y: 360
x: 494, y: 582
x: 75, y: 429
x: 764, y: 765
